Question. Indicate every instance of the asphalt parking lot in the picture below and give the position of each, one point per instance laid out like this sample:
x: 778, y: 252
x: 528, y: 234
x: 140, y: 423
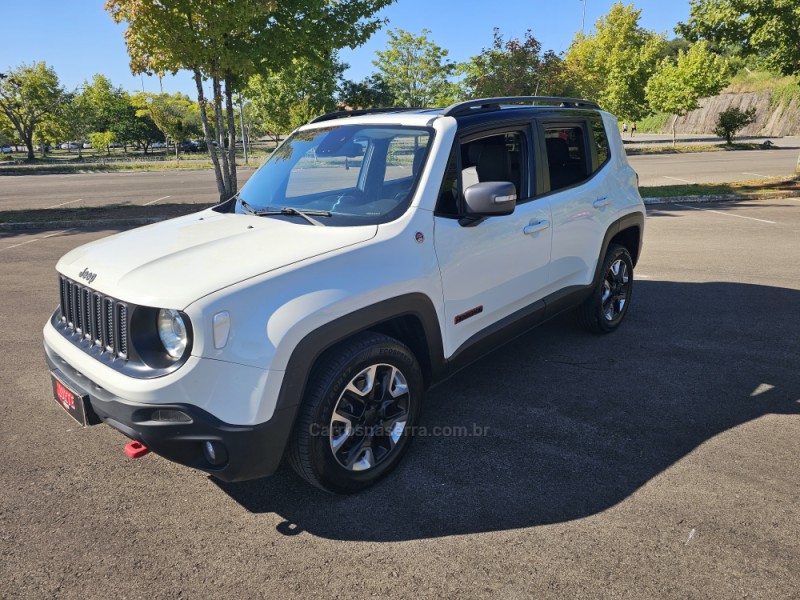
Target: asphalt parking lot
x: 148, y: 188
x: 659, y: 462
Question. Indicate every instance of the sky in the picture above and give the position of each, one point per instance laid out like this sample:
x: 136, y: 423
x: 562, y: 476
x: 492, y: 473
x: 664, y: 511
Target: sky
x: 78, y: 38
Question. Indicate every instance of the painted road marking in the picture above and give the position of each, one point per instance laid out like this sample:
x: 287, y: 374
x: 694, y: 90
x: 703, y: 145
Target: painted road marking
x: 726, y: 214
x: 65, y: 203
x: 157, y: 200
x: 677, y: 179
x: 759, y: 175
x: 39, y: 239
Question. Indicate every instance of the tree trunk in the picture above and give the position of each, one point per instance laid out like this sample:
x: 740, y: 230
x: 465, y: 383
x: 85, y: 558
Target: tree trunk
x: 219, y: 125
x: 207, y: 135
x: 231, y: 134
x: 674, y: 134
x: 29, y: 145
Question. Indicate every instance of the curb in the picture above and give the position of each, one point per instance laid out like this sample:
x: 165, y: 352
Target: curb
x: 721, y: 198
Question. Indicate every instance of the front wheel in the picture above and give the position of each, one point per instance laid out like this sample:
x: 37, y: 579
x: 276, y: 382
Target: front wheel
x: 604, y: 310
x: 355, y: 423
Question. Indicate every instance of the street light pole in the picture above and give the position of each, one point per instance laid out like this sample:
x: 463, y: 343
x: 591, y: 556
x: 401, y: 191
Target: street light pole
x: 241, y: 121
x: 583, y: 19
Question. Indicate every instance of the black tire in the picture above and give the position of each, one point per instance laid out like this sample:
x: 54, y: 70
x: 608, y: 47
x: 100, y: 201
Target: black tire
x: 604, y: 316
x: 379, y: 437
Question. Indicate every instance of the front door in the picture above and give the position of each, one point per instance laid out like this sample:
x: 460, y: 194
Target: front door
x: 500, y: 266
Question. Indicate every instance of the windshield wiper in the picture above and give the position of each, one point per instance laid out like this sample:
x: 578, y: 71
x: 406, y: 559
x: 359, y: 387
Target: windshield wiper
x: 287, y: 211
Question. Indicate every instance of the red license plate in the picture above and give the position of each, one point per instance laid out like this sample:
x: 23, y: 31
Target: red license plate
x: 69, y: 400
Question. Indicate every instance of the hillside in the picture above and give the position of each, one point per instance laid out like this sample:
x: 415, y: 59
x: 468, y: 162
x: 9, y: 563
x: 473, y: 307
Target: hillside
x: 777, y: 103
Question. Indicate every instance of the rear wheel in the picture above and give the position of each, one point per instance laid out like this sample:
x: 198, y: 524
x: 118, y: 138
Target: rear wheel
x: 361, y: 403
x: 604, y: 310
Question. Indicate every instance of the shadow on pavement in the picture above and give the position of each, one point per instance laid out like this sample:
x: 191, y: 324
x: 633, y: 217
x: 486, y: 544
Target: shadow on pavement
x: 574, y: 423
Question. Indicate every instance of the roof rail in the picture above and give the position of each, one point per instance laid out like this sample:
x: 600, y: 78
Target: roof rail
x: 343, y: 114
x: 494, y: 103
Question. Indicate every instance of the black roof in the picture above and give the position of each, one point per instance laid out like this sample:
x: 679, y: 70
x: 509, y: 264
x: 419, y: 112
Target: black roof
x: 472, y: 107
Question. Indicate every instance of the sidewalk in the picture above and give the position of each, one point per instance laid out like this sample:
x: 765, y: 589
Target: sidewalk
x: 688, y: 139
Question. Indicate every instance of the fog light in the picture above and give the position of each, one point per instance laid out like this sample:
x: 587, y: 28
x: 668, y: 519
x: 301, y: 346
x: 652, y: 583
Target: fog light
x: 215, y: 453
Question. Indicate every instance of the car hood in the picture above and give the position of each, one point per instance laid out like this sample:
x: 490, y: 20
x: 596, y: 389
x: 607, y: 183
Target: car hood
x: 173, y: 263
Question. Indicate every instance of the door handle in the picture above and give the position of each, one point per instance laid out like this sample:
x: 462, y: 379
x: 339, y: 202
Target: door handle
x: 536, y: 227
x: 601, y: 202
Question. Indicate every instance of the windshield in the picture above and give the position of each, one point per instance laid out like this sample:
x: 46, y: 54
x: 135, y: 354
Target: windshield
x: 361, y: 174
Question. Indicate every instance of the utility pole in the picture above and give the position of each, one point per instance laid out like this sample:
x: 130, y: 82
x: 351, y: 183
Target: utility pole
x: 241, y: 120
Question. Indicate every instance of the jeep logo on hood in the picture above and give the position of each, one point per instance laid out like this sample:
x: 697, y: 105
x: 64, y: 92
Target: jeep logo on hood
x: 87, y: 275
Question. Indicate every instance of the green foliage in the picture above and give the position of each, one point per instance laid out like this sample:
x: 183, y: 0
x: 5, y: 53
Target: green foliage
x: 766, y: 30
x: 28, y: 94
x: 613, y: 64
x: 102, y: 139
x: 513, y: 67
x: 370, y: 92
x: 677, y: 86
x: 103, y: 101
x: 654, y: 123
x: 228, y: 41
x: 731, y: 121
x: 416, y: 70
x: 285, y: 99
x: 176, y: 116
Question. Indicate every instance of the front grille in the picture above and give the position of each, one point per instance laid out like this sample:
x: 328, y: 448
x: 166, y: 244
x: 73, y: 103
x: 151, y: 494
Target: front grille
x: 95, y: 318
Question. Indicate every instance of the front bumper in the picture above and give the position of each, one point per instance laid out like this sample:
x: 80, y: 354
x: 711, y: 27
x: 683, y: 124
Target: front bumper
x: 242, y: 451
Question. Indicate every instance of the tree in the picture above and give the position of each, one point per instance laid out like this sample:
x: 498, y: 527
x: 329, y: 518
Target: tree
x: 73, y: 120
x: 613, y: 64
x: 285, y: 99
x: 228, y: 41
x: 769, y: 31
x: 131, y: 128
x: 416, y: 70
x: 147, y: 130
x: 370, y: 92
x: 27, y: 94
x: 730, y: 121
x: 102, y: 139
x: 514, y: 68
x: 677, y: 86
x: 176, y: 116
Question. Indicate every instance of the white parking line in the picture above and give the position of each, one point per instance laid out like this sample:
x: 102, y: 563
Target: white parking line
x: 726, y: 214
x: 677, y: 179
x: 156, y: 200
x: 39, y: 239
x: 65, y: 203
x: 759, y: 175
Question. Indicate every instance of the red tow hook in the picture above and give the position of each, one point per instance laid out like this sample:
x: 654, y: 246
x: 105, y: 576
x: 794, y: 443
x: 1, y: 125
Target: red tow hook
x: 136, y: 450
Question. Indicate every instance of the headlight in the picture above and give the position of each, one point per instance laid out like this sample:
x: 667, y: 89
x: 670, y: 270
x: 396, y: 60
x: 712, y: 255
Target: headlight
x: 172, y: 331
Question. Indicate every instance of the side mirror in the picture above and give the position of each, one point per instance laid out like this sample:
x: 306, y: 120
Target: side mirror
x: 491, y: 199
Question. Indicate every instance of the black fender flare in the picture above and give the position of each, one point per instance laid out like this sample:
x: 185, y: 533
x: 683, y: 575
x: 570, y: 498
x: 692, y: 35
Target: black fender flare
x: 311, y: 347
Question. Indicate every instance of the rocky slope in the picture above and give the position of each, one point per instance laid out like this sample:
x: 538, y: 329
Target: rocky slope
x: 773, y: 119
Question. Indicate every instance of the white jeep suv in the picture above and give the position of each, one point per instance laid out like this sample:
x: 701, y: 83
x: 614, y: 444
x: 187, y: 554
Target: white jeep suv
x: 372, y: 255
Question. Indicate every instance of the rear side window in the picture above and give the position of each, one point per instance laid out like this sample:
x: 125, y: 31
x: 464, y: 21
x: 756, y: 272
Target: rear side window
x: 600, y: 143
x: 566, y: 155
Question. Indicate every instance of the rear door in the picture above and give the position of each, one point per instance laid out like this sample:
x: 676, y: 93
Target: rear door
x: 574, y: 178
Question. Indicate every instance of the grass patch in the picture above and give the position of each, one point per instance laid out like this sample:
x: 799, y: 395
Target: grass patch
x: 656, y: 123
x: 690, y: 148
x: 740, y: 188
